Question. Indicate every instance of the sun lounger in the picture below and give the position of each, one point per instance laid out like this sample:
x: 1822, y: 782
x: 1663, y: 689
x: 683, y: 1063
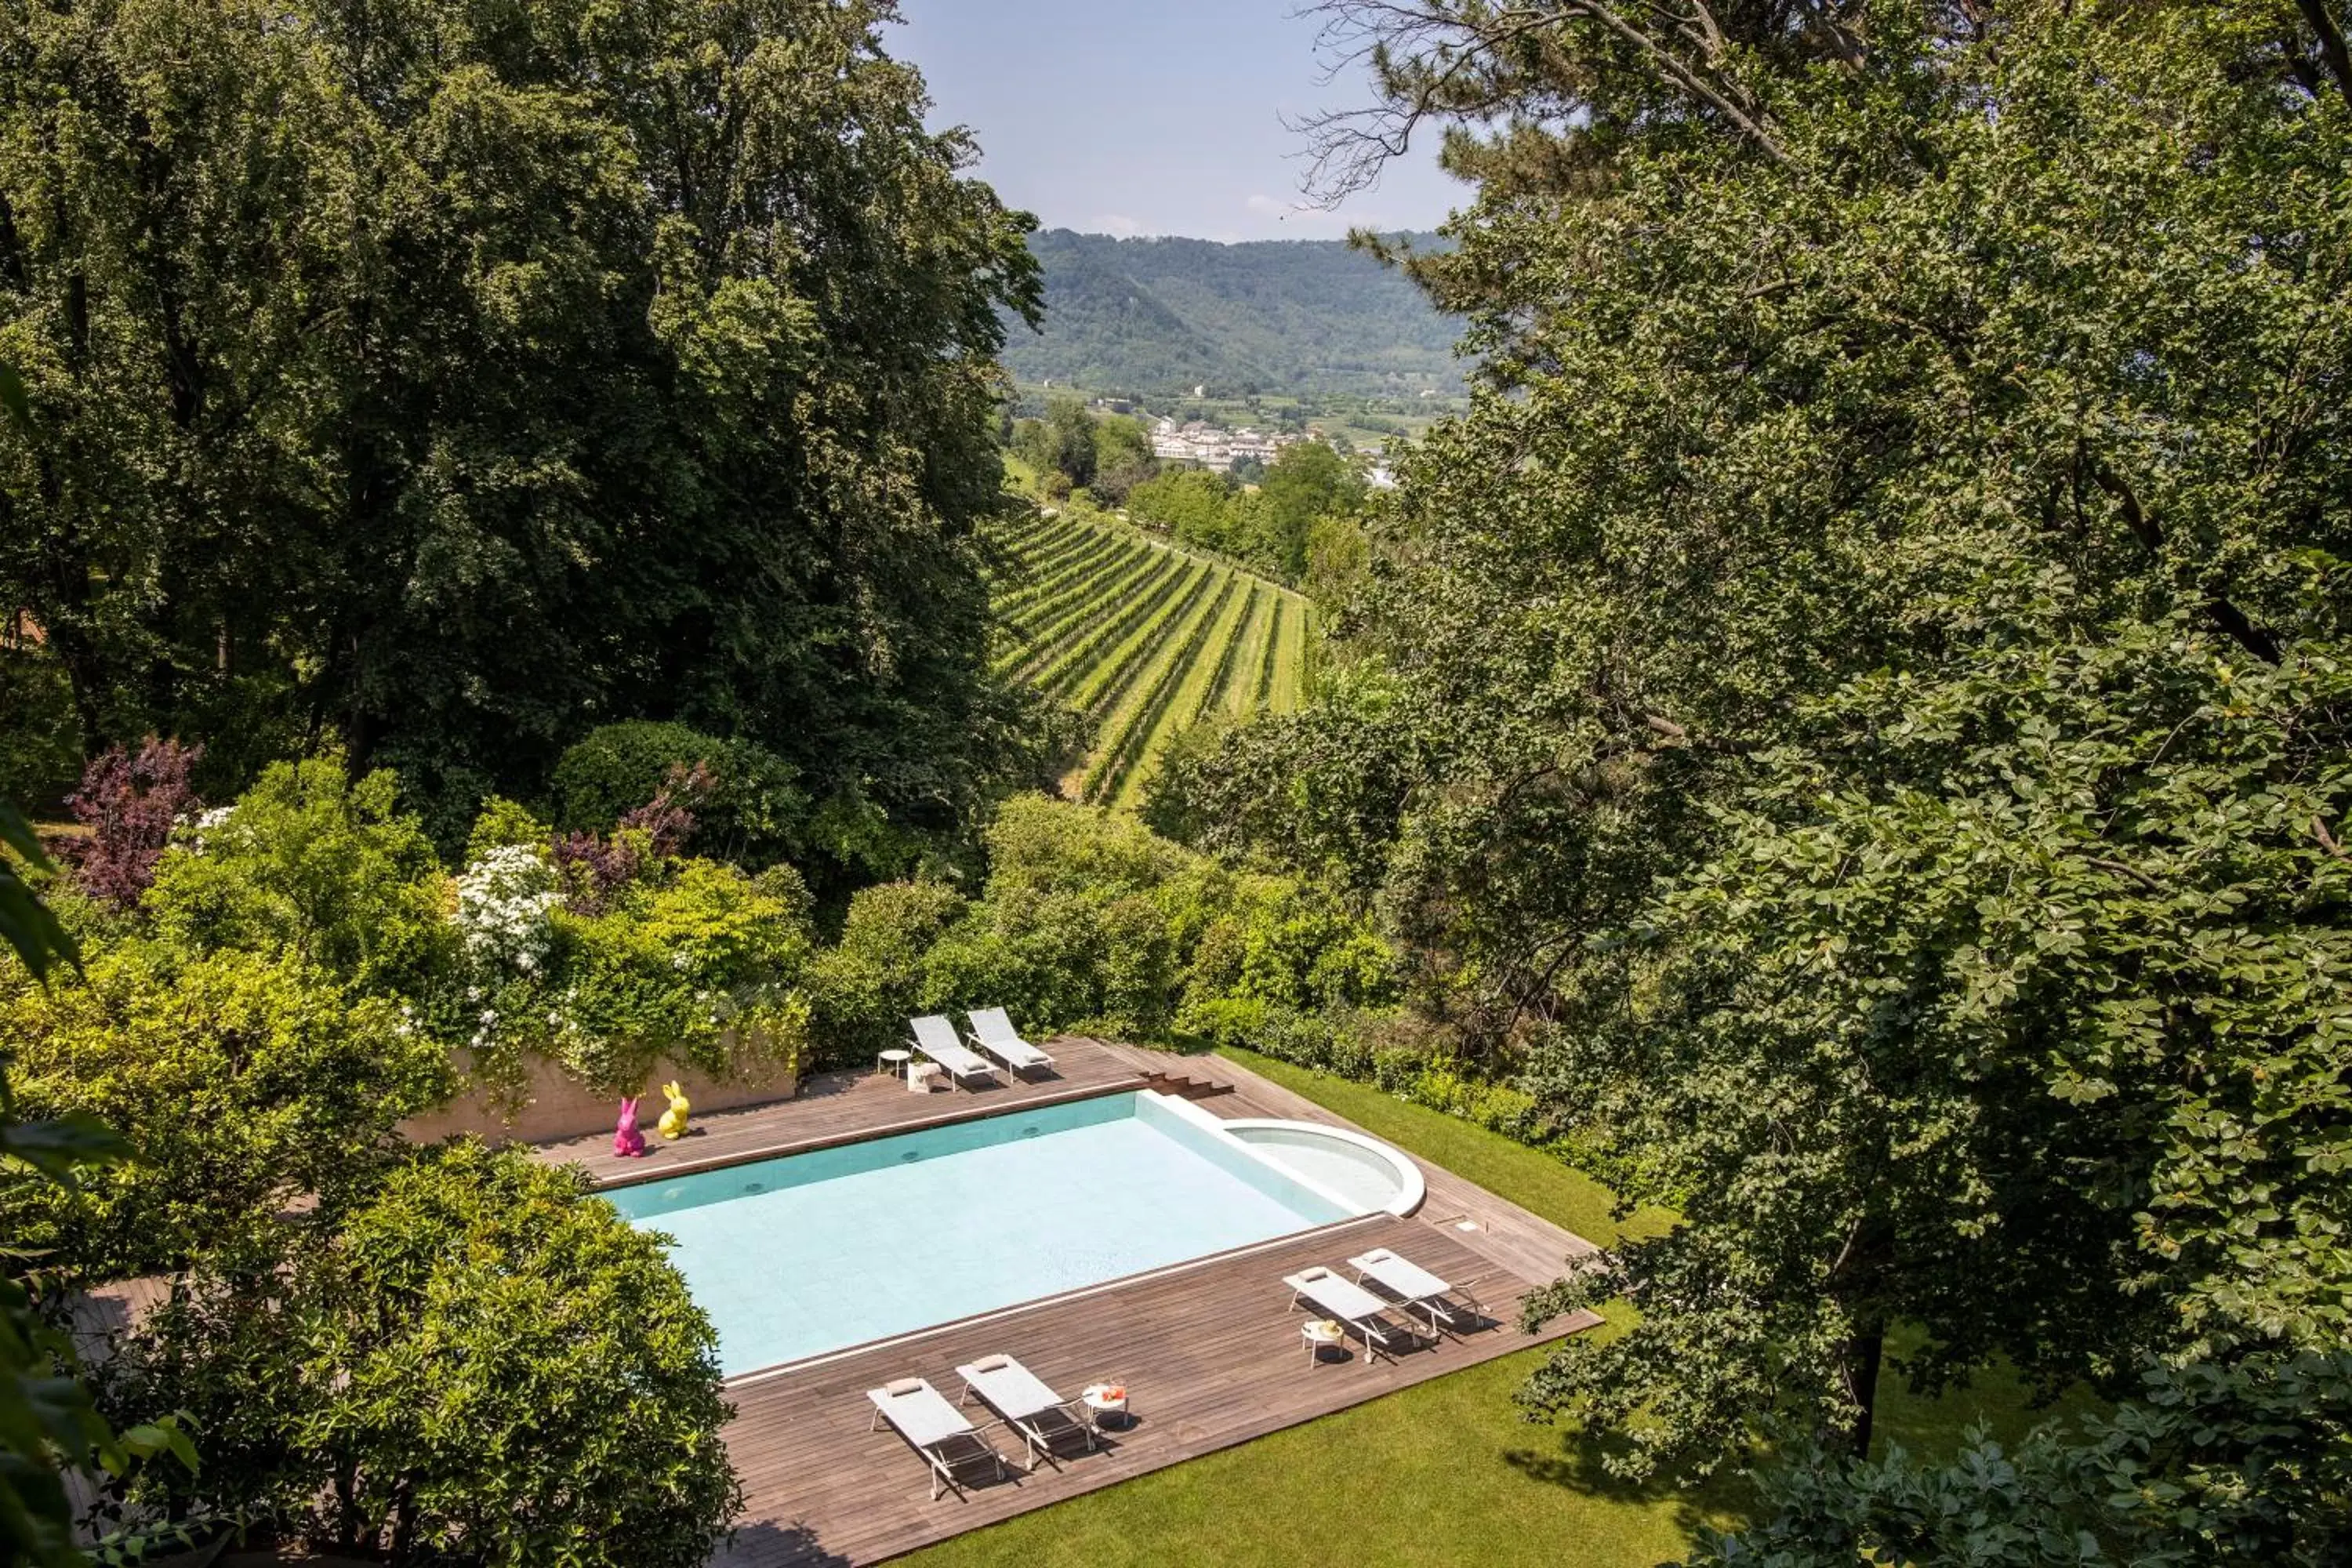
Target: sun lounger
x: 933, y: 1428
x: 992, y: 1032
x: 935, y: 1039
x: 1417, y: 1286
x: 1351, y: 1304
x: 1028, y: 1406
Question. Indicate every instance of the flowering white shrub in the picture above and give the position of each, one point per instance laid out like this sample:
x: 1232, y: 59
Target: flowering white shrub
x: 199, y: 830
x: 504, y: 901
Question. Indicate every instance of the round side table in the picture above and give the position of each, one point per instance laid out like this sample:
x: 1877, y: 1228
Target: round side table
x: 1320, y: 1334
x: 1102, y: 1400
x: 893, y: 1062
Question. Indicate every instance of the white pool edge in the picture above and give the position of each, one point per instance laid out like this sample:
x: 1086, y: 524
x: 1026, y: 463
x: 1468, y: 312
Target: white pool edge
x: 1412, y: 1187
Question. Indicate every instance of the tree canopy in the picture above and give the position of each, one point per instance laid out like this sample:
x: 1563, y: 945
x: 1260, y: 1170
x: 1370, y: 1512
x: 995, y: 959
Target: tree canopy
x: 451, y: 385
x: 1855, y: 716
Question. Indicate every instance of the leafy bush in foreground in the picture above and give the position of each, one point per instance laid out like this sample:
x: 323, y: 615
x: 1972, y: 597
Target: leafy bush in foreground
x: 244, y: 1081
x: 317, y: 864
x: 484, y: 1364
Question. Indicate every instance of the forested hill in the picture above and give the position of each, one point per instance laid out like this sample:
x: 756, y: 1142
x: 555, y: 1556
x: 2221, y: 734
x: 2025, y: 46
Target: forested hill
x: 1163, y: 315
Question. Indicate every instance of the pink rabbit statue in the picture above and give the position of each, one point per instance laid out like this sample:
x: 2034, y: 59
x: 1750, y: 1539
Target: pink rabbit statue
x: 627, y: 1141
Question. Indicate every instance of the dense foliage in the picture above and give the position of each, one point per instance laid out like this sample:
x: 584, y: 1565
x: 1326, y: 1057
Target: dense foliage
x: 244, y: 1081
x: 482, y: 1364
x: 40, y: 745
x: 1167, y: 315
x: 291, y: 986
x: 1855, y: 718
x: 1073, y: 447
x: 1091, y: 922
x: 454, y: 386
x: 1272, y: 527
x: 130, y: 803
x: 49, y: 1424
x: 316, y: 865
x: 752, y: 811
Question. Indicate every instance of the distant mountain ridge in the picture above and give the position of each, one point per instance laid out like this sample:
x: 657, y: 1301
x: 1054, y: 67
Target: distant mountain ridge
x: 1146, y: 316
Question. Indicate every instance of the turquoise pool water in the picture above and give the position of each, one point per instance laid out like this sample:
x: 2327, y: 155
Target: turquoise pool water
x: 795, y: 1257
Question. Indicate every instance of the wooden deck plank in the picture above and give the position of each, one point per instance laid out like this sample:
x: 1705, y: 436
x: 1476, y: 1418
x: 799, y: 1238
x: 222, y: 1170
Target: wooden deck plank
x: 1211, y: 1350
x: 1211, y: 1357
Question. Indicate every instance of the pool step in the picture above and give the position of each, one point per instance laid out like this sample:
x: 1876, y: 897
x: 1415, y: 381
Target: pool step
x: 1184, y: 1088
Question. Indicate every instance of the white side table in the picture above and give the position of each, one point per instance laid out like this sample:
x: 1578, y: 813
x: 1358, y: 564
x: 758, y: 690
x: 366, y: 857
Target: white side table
x: 920, y: 1076
x: 893, y: 1062
x: 1320, y: 1333
x: 1104, y: 1399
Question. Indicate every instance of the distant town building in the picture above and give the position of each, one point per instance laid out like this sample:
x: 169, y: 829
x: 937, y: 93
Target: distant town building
x: 1212, y: 447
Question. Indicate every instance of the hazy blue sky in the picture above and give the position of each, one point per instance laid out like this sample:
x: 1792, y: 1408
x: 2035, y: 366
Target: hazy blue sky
x: 1150, y: 116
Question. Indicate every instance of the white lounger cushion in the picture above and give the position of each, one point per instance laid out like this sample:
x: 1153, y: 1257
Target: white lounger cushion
x: 919, y: 1412
x: 997, y: 1036
x: 1341, y: 1297
x: 935, y: 1039
x: 1407, y: 1279
x: 1016, y: 1393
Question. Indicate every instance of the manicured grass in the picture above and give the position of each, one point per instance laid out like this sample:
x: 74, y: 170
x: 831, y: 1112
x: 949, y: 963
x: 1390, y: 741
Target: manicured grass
x: 1442, y: 1475
x: 1019, y: 476
x: 1936, y: 1428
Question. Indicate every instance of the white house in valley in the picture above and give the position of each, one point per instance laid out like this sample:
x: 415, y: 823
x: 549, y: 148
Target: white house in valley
x: 1213, y: 447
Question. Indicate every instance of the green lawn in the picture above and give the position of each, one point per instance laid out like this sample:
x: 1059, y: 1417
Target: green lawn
x: 1019, y: 476
x: 1440, y: 1475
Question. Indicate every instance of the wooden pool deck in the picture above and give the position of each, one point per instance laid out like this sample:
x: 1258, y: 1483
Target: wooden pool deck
x: 1210, y: 1351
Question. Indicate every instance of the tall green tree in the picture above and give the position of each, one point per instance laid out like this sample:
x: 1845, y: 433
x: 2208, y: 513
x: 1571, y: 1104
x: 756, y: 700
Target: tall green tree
x: 1073, y: 443
x: 1193, y: 504
x: 1306, y: 482
x: 453, y: 385
x: 1854, y: 715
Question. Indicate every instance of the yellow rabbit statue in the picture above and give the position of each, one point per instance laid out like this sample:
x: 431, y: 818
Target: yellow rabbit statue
x: 673, y: 1121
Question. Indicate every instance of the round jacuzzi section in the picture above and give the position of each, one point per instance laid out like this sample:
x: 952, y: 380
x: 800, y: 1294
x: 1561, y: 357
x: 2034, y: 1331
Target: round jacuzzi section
x: 1364, y: 1171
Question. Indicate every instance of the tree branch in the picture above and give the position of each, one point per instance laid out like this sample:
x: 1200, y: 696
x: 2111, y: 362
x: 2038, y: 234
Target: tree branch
x: 1423, y: 53
x: 2331, y: 45
x: 1675, y: 72
x: 2120, y: 869
x: 2234, y: 622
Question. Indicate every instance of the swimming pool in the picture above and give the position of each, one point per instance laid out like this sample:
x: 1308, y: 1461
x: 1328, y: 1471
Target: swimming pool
x: 795, y: 1257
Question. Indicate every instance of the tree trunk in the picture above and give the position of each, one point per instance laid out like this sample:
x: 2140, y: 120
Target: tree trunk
x: 2331, y: 43
x: 1864, y: 1356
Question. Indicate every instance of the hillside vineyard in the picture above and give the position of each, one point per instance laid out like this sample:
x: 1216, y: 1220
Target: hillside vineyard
x: 1142, y: 638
